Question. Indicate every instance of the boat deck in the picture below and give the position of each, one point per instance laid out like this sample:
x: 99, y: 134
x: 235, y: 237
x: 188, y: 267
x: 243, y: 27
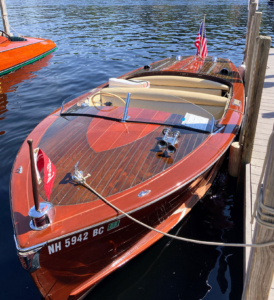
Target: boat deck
x: 128, y: 159
x: 263, y: 131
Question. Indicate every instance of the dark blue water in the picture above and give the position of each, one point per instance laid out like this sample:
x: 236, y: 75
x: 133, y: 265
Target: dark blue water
x: 101, y: 39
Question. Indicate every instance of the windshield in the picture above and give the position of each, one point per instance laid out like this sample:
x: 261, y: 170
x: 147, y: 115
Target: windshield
x: 142, y: 106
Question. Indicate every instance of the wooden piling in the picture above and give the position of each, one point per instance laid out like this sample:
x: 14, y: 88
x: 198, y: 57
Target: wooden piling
x: 258, y: 69
x: 254, y: 32
x: 234, y: 159
x: 5, y: 17
x: 261, y: 261
x: 251, y: 13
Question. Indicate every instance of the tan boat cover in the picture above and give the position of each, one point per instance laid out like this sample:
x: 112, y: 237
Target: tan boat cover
x: 159, y: 95
x: 184, y: 82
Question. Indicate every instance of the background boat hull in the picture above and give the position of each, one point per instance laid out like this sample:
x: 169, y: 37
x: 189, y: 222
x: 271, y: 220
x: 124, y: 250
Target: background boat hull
x: 15, y: 55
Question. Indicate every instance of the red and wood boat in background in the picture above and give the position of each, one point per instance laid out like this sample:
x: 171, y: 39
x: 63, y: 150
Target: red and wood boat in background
x: 16, y: 52
x: 153, y: 152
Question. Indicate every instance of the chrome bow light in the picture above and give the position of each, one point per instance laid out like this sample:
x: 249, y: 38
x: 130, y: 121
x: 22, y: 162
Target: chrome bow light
x: 43, y: 218
x: 169, y: 140
x: 162, y: 144
x: 171, y: 149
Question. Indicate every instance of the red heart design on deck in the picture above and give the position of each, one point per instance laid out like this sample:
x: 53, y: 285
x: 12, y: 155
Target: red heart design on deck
x: 105, y: 134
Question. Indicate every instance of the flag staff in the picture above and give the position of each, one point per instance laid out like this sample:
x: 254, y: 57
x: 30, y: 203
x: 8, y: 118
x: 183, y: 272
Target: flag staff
x: 202, y: 36
x: 33, y: 178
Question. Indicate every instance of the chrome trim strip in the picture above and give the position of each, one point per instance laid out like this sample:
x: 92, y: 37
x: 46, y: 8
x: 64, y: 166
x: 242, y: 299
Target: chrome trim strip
x: 27, y: 249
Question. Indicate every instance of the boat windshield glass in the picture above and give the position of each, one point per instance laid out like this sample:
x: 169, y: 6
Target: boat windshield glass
x: 142, y: 106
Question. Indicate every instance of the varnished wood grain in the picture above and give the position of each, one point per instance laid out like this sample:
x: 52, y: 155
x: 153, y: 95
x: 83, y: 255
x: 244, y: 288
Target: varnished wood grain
x: 69, y: 144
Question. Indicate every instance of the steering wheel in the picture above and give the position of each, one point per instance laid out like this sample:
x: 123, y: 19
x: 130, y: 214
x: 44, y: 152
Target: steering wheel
x: 107, y: 94
x: 8, y: 36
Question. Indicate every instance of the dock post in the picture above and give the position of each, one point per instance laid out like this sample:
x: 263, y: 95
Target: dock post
x: 258, y: 69
x: 261, y: 261
x: 251, y: 13
x: 254, y: 32
x: 5, y: 17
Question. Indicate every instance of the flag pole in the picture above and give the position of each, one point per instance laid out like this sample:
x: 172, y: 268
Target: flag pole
x: 202, y: 36
x: 33, y: 178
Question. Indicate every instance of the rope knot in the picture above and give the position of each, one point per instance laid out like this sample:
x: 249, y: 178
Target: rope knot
x: 78, y: 175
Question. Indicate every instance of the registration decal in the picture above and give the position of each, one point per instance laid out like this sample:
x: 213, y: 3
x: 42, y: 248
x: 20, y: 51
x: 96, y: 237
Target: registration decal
x: 113, y: 225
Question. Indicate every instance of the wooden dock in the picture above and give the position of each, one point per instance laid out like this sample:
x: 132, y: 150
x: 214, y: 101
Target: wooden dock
x: 254, y: 169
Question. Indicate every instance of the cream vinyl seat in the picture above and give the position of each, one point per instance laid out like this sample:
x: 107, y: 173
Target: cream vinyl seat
x: 190, y: 84
x: 167, y: 93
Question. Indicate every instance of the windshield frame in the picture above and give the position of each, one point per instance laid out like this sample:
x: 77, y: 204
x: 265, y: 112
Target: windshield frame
x: 126, y: 119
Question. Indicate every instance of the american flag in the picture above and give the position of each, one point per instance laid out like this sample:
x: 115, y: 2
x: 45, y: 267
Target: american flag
x: 198, y: 40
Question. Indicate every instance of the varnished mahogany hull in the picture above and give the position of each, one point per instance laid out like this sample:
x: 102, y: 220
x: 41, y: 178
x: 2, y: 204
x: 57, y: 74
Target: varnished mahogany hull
x: 175, y: 184
x: 15, y: 55
x: 70, y: 273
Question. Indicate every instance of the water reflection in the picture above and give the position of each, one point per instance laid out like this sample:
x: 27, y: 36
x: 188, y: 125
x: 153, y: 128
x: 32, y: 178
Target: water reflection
x: 10, y: 82
x: 3, y: 108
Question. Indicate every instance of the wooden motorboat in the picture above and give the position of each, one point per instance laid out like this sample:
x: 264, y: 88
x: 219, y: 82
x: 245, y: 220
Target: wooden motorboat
x: 16, y: 52
x: 153, y: 152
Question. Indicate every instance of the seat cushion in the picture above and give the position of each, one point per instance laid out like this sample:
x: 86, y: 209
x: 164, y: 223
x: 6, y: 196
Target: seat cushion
x: 182, y: 81
x: 161, y: 95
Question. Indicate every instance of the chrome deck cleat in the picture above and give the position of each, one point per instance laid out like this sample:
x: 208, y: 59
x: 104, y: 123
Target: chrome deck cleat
x: 78, y: 175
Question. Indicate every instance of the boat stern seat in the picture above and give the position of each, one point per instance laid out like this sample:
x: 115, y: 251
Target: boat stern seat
x: 184, y: 83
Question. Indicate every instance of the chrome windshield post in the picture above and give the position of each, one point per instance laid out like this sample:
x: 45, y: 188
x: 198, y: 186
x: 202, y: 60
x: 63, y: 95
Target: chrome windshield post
x: 62, y: 107
x: 212, y: 126
x: 125, y: 117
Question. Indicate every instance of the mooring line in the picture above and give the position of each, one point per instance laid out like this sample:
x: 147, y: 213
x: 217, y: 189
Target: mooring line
x: 80, y: 179
x: 235, y: 44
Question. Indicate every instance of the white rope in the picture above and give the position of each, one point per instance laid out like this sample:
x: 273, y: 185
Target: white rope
x: 79, y: 178
x: 16, y: 32
x: 235, y: 44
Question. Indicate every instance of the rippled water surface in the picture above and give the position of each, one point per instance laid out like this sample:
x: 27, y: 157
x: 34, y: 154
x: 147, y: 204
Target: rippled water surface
x: 101, y: 39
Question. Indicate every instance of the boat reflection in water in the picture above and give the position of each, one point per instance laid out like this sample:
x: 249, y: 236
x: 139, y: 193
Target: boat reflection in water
x: 9, y: 82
